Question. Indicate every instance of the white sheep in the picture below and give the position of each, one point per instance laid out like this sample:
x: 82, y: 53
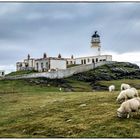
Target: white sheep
x: 132, y: 105
x: 125, y: 86
x: 136, y: 91
x: 127, y: 94
x: 111, y: 88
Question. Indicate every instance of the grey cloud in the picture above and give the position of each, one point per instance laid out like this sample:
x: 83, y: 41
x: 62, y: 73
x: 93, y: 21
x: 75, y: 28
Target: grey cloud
x: 66, y: 28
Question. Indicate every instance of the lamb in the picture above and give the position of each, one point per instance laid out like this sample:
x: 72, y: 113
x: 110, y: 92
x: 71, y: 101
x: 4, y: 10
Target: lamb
x: 127, y: 94
x: 111, y: 88
x: 125, y: 86
x: 129, y: 106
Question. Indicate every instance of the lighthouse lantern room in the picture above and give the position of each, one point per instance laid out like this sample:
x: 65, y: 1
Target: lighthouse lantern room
x: 95, y: 44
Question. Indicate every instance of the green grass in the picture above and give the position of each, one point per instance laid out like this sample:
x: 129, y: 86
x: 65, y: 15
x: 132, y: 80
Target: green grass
x: 7, y: 86
x: 35, y: 111
x: 79, y: 85
x: 21, y: 72
x: 132, y: 82
x: 53, y: 114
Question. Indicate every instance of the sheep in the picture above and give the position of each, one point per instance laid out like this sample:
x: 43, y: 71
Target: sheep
x: 124, y: 86
x: 127, y: 94
x: 136, y: 92
x: 129, y: 106
x: 111, y: 88
x: 60, y: 89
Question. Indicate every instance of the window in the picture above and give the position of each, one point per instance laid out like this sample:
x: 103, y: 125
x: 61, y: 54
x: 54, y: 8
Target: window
x: 88, y: 60
x: 20, y: 65
x: 96, y: 59
x: 93, y: 61
x: 41, y: 65
x: 84, y: 61
x: 26, y: 65
x: 37, y: 66
x: 46, y: 64
x: 81, y: 61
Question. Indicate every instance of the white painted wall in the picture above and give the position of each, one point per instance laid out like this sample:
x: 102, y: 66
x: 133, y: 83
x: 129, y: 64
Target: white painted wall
x: 61, y: 73
x: 45, y: 64
x: 70, y: 61
x: 101, y: 57
x: 2, y: 73
x: 58, y: 64
x: 78, y: 60
x: 95, y: 51
x: 31, y: 63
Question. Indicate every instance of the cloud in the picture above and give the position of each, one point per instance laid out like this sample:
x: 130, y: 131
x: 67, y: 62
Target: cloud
x: 66, y: 28
x: 8, y: 68
x: 132, y: 57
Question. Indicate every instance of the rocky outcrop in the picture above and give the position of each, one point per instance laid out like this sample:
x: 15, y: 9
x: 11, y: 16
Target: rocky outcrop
x: 114, y: 71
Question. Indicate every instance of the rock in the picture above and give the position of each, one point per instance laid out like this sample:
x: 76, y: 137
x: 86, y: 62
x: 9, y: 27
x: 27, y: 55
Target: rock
x: 69, y: 120
x: 83, y: 105
x: 39, y: 132
x: 24, y: 131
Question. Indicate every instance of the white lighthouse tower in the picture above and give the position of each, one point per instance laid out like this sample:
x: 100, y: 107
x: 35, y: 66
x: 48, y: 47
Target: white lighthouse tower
x: 95, y: 44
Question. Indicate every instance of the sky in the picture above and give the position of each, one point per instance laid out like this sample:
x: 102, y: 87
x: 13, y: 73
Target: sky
x: 66, y: 28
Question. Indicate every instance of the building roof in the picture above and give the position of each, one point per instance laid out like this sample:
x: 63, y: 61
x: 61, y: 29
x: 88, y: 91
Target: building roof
x: 30, y: 59
x: 19, y: 62
x: 50, y: 58
x: 95, y: 34
x: 94, y: 56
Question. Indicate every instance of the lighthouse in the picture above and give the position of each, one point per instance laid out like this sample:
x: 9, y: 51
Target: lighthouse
x: 95, y: 44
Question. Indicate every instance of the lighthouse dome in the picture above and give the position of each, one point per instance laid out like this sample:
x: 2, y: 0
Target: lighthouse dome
x: 95, y: 35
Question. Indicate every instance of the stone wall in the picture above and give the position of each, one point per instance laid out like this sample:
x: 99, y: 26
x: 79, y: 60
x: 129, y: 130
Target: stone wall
x: 60, y: 73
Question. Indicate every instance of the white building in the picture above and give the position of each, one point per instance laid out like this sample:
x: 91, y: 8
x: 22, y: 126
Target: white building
x: 2, y: 73
x: 96, y: 50
x: 95, y: 44
x: 27, y: 64
x: 93, y: 59
x: 50, y: 63
x: 54, y: 63
x: 42, y: 64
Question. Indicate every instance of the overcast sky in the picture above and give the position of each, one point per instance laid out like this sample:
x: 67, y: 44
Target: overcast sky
x: 67, y: 28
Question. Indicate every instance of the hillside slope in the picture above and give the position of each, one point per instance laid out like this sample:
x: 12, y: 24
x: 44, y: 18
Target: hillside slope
x: 97, y: 79
x: 64, y: 115
x: 110, y: 72
x: 114, y: 71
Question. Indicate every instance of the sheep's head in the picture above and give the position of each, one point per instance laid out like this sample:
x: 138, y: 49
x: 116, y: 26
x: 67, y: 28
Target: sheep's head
x: 120, y: 99
x: 121, y: 114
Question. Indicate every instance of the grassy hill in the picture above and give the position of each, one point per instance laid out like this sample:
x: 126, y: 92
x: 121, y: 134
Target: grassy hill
x: 36, y: 108
x: 41, y: 114
x: 43, y: 84
x: 113, y: 71
x: 86, y: 81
